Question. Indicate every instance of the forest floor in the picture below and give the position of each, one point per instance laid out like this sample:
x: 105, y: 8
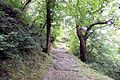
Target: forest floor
x: 67, y: 67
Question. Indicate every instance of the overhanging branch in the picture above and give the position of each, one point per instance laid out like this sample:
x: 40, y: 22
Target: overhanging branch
x: 97, y: 23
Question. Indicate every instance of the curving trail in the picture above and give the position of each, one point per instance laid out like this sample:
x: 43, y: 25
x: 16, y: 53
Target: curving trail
x: 64, y: 67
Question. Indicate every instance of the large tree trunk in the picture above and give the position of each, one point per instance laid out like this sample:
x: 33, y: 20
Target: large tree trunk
x: 48, y: 26
x: 82, y: 40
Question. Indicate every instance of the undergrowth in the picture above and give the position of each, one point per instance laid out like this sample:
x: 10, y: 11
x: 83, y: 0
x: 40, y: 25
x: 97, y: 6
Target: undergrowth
x: 21, y: 43
x: 27, y: 67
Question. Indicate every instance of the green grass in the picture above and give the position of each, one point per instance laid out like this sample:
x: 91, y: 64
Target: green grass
x: 86, y: 71
x: 30, y: 67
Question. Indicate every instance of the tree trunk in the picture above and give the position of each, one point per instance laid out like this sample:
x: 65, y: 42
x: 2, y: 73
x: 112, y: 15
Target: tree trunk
x: 82, y: 40
x: 48, y: 26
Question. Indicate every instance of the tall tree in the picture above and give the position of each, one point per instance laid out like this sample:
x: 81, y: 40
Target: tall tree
x: 83, y: 36
x: 88, y: 17
x: 50, y: 4
x: 48, y: 20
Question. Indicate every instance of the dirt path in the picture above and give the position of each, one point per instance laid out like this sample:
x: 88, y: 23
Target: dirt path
x: 65, y: 66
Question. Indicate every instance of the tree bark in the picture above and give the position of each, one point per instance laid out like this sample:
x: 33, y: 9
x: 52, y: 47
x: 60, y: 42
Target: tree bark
x: 48, y: 26
x: 82, y: 40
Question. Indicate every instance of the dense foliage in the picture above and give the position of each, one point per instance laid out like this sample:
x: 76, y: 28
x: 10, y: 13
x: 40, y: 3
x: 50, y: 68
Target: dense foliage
x: 103, y: 41
x: 17, y: 35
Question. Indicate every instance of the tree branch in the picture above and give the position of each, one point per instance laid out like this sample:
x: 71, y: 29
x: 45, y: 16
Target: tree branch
x: 97, y: 23
x: 86, y: 37
x: 44, y: 25
x: 91, y: 49
x: 26, y: 4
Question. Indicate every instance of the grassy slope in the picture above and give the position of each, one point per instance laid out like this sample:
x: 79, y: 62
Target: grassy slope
x: 86, y: 71
x: 31, y: 67
x: 34, y: 67
x: 24, y: 66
